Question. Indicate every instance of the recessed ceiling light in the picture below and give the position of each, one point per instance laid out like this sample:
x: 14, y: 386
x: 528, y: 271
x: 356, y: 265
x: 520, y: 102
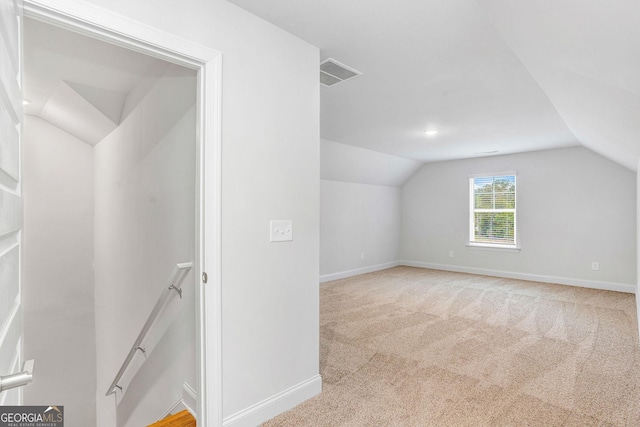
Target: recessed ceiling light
x: 26, y: 102
x: 431, y: 132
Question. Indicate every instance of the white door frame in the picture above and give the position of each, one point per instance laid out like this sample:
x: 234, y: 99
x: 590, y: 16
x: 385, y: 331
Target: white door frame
x: 120, y: 30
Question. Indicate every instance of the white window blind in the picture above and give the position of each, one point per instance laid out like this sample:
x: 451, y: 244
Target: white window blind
x: 492, y: 219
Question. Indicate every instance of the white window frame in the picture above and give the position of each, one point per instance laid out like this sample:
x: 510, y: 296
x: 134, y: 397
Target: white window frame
x: 493, y: 246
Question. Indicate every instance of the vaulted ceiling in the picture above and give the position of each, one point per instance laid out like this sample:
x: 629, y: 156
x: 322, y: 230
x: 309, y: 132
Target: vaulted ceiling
x: 490, y: 76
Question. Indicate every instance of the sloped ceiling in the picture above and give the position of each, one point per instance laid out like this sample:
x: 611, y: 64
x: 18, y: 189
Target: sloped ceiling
x: 491, y: 76
x: 78, y: 83
x: 586, y: 57
x: 342, y: 162
x: 70, y: 111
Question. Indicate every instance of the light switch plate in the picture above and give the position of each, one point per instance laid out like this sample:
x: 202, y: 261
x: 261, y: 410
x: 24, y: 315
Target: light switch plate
x: 281, y: 230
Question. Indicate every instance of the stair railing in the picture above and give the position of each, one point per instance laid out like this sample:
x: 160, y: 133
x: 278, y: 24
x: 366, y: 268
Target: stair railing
x: 173, y: 287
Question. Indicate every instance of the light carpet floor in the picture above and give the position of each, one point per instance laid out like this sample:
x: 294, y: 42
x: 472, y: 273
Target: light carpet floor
x: 416, y: 347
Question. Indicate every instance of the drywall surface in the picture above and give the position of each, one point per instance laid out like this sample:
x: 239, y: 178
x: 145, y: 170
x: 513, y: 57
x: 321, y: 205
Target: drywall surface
x: 342, y: 162
x: 270, y: 156
x: 570, y: 53
x: 359, y: 226
x: 638, y: 243
x: 574, y: 207
x: 57, y: 266
x: 145, y: 225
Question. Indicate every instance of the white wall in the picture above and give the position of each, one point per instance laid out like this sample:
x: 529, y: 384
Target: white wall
x: 574, y: 207
x: 270, y: 155
x: 58, y: 292
x: 638, y: 243
x: 358, y: 220
x: 360, y: 210
x: 144, y: 225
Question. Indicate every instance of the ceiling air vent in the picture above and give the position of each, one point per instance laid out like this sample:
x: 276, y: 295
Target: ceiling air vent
x: 332, y: 72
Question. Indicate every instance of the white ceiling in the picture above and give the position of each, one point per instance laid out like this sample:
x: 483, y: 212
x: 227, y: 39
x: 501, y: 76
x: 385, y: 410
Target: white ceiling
x: 342, y: 162
x: 497, y: 76
x: 78, y: 83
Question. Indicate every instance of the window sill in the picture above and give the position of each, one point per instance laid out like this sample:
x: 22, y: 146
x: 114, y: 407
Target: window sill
x: 496, y: 248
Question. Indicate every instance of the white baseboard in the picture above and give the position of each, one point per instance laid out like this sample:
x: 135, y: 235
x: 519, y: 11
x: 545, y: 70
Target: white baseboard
x: 357, y: 271
x: 188, y: 402
x: 275, y: 405
x: 638, y: 308
x: 606, y: 286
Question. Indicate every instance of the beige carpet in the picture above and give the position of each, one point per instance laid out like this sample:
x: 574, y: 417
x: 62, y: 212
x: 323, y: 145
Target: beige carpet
x: 416, y: 347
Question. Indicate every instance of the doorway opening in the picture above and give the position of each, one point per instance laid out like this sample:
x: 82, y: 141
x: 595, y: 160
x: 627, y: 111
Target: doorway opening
x: 141, y: 186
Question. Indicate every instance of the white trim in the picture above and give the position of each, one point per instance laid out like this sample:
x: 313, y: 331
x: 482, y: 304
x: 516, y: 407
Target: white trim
x: 13, y: 367
x: 493, y: 248
x: 103, y: 24
x: 276, y: 404
x: 472, y: 211
x: 8, y: 322
x: 592, y: 284
x: 96, y: 22
x: 483, y: 174
x: 7, y: 244
x: 357, y: 271
x: 638, y: 245
x: 188, y: 401
x: 638, y: 309
x: 210, y: 220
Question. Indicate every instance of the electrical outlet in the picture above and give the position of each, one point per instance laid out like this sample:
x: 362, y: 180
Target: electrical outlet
x: 595, y: 265
x: 450, y: 254
x: 361, y: 255
x: 281, y: 230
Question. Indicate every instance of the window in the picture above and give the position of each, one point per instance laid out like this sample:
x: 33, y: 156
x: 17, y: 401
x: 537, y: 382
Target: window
x: 492, y: 218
